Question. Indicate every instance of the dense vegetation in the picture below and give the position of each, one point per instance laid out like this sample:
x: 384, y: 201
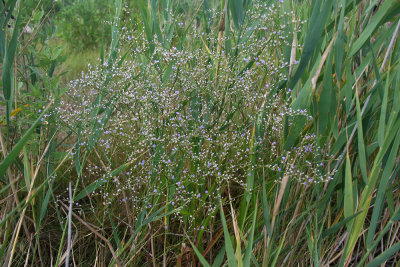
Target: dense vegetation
x: 200, y: 133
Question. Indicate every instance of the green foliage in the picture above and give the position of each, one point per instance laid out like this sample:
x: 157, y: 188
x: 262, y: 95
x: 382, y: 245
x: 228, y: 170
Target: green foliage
x: 84, y: 24
x: 262, y: 133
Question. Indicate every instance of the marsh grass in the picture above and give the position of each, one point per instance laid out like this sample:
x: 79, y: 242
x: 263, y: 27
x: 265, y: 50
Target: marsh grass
x: 240, y: 133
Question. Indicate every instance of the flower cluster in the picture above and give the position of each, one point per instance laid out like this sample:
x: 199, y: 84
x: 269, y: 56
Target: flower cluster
x: 184, y: 118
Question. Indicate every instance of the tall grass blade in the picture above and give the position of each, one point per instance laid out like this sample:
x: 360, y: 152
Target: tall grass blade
x: 360, y: 139
x: 203, y: 261
x: 383, y: 115
x: 336, y: 227
x: 266, y: 215
x: 27, y: 170
x: 317, y: 22
x: 249, y: 248
x: 6, y: 11
x: 348, y: 192
x: 340, y: 40
x: 220, y: 257
x: 8, y: 72
x: 228, y: 243
x: 384, y: 256
x: 236, y: 8
x: 227, y: 32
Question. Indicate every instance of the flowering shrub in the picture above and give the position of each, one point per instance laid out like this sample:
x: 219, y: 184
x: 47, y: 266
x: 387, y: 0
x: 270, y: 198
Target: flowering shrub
x: 184, y: 119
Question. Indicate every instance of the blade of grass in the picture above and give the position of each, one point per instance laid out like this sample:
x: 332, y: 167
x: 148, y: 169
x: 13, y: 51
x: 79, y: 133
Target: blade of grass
x: 383, y: 115
x: 236, y: 8
x: 266, y: 210
x: 278, y: 250
x: 336, y: 227
x: 316, y: 26
x: 203, y: 261
x: 249, y: 248
x: 367, y: 32
x: 348, y: 192
x: 339, y: 43
x: 228, y: 244
x: 360, y: 139
x: 8, y: 72
x: 384, y: 256
x: 220, y: 257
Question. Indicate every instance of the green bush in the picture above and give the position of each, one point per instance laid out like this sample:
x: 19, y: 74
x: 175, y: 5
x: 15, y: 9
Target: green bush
x: 83, y: 24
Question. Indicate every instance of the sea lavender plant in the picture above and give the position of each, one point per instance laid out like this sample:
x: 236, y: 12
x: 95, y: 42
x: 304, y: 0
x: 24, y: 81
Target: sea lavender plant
x: 184, y: 118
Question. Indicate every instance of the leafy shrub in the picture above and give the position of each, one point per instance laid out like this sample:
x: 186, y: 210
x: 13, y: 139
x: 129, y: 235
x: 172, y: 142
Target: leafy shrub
x: 83, y: 23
